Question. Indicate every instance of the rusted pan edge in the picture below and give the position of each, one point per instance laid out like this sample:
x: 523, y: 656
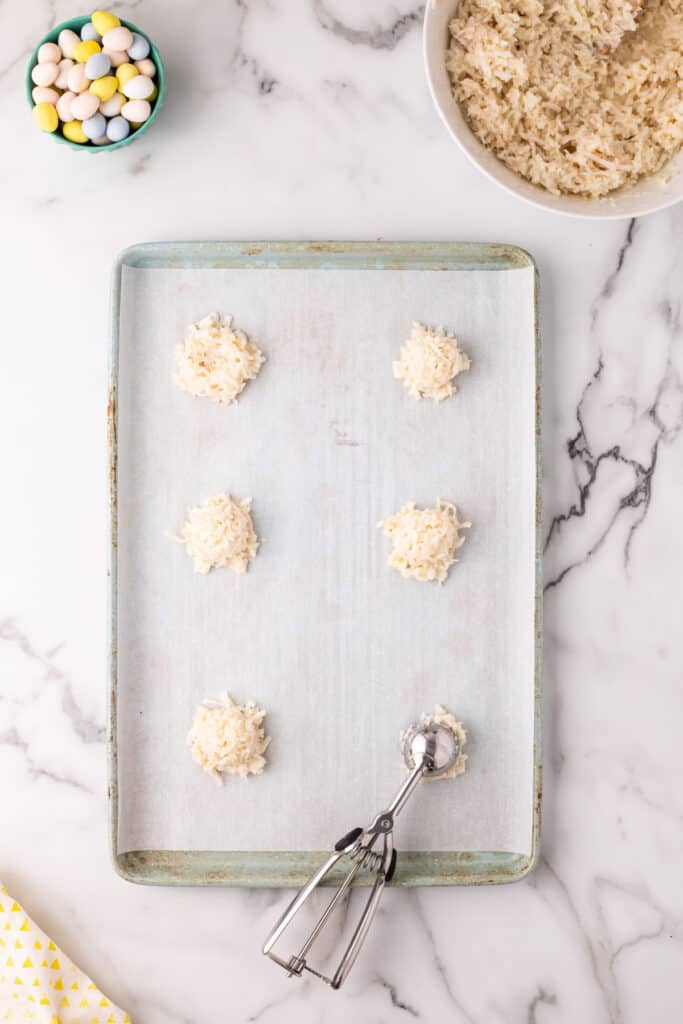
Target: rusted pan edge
x: 112, y: 567
x: 292, y: 868
x: 377, y: 255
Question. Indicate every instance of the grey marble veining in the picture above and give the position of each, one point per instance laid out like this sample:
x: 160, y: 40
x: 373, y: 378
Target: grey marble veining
x: 311, y: 118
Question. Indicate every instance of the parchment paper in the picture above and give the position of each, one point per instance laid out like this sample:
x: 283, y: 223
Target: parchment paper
x: 339, y: 649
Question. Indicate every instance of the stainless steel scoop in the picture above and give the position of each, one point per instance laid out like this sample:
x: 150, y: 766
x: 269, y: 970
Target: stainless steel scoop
x: 428, y: 750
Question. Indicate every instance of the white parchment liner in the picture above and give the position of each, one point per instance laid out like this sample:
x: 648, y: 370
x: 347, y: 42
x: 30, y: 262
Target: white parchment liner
x: 339, y: 649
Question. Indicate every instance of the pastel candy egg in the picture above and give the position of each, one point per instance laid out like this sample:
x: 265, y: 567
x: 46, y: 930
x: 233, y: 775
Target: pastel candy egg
x: 104, y: 88
x: 67, y: 40
x: 90, y: 32
x: 46, y: 74
x: 117, y: 129
x: 153, y: 95
x: 125, y: 72
x: 97, y: 66
x: 112, y: 107
x: 139, y: 48
x: 76, y: 80
x: 64, y: 106
x: 117, y: 38
x: 49, y: 53
x: 102, y: 141
x: 117, y: 57
x: 45, y: 116
x: 104, y: 21
x: 136, y: 111
x: 138, y: 88
x: 84, y: 50
x: 64, y: 67
x: 146, y: 67
x: 43, y: 94
x: 84, y: 106
x: 95, y: 127
x: 73, y: 131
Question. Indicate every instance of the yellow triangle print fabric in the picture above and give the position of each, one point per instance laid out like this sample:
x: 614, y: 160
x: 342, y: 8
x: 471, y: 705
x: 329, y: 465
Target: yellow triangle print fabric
x: 20, y: 975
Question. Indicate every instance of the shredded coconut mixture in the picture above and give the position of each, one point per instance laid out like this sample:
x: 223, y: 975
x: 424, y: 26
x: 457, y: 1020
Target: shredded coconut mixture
x: 578, y: 96
x: 220, y: 533
x: 424, y: 540
x: 216, y: 360
x: 430, y: 361
x: 443, y: 717
x: 228, y: 737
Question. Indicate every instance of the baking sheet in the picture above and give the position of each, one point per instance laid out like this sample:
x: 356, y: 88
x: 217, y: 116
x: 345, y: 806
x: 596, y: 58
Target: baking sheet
x: 339, y: 649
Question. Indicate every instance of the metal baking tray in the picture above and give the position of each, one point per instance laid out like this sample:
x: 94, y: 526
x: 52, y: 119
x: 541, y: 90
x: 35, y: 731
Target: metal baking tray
x: 339, y: 649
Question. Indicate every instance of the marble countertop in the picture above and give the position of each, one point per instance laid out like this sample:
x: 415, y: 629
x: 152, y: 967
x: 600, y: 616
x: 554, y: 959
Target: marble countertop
x: 311, y: 119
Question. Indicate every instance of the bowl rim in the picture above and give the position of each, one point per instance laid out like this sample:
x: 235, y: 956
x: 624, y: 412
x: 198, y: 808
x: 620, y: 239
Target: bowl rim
x: 537, y: 200
x: 75, y: 24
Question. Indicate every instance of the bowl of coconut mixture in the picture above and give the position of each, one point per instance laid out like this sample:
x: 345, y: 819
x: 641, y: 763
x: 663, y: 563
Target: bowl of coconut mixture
x: 575, y: 106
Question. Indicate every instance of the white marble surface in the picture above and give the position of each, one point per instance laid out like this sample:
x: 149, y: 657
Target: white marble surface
x: 311, y: 119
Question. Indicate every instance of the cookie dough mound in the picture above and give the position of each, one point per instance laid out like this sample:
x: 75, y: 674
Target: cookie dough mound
x: 220, y: 533
x: 425, y: 540
x: 430, y: 361
x: 216, y: 360
x: 228, y: 738
x: 443, y: 717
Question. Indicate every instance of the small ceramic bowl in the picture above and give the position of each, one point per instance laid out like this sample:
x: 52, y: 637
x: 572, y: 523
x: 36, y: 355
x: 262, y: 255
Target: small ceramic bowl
x: 76, y: 24
x: 643, y: 197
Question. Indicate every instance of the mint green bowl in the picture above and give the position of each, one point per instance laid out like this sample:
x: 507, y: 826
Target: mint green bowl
x: 76, y: 24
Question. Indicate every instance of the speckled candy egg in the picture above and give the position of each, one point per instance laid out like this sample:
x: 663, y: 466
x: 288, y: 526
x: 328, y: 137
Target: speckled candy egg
x: 89, y: 32
x: 45, y: 74
x: 67, y: 40
x: 139, y: 88
x: 43, y: 94
x: 139, y: 48
x: 97, y: 66
x: 112, y: 107
x: 73, y: 131
x: 76, y: 79
x: 64, y: 106
x: 104, y: 88
x: 64, y: 67
x: 125, y: 72
x: 136, y: 111
x: 84, y: 106
x: 104, y: 21
x: 49, y: 53
x: 118, y: 129
x: 95, y: 127
x: 84, y: 50
x: 118, y: 38
x: 45, y: 116
x: 117, y: 57
x: 146, y: 67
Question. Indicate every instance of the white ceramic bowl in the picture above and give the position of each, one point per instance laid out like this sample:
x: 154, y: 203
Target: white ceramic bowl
x: 645, y: 196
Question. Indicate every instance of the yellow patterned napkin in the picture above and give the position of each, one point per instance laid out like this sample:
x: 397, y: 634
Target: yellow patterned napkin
x: 38, y: 982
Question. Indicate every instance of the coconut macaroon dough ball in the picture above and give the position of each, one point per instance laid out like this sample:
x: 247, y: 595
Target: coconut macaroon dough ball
x: 228, y: 738
x: 445, y: 718
x: 216, y: 360
x: 430, y: 361
x: 424, y: 540
x: 220, y: 533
